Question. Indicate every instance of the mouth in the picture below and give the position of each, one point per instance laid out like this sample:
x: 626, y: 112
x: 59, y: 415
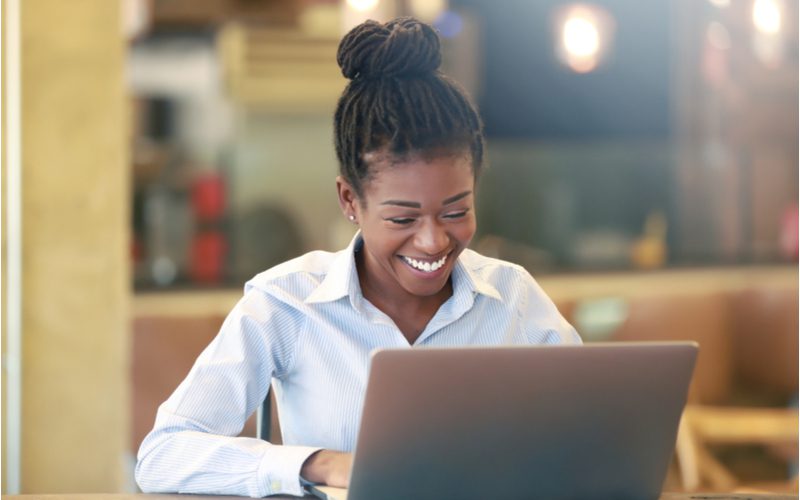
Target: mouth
x: 426, y: 266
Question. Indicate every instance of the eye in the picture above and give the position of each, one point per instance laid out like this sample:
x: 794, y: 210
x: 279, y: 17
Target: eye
x: 456, y: 215
x: 400, y: 220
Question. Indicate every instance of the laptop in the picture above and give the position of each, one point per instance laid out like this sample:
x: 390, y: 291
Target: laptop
x: 595, y: 421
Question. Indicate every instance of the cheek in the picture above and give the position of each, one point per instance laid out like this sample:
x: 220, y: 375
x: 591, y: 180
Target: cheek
x: 466, y: 231
x: 382, y: 240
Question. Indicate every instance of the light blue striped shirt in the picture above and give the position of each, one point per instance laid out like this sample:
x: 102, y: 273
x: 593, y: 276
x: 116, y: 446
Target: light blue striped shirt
x: 305, y: 326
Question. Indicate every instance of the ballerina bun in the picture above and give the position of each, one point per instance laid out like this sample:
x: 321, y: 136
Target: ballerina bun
x: 404, y: 47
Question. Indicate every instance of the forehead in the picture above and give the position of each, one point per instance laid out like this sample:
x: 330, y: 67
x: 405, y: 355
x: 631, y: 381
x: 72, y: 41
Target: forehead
x: 420, y: 179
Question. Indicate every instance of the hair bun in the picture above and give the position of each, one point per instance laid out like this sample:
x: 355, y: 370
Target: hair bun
x: 402, y: 47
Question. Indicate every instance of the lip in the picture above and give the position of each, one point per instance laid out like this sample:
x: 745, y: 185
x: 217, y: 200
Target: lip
x: 428, y: 275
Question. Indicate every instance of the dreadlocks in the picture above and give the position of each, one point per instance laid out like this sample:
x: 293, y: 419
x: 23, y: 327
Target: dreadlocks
x: 397, y: 101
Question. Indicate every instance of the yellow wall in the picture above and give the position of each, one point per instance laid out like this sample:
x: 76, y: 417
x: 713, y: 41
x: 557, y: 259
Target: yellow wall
x: 74, y: 246
x: 3, y: 242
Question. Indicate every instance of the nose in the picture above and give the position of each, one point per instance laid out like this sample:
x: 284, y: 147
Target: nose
x: 432, y: 238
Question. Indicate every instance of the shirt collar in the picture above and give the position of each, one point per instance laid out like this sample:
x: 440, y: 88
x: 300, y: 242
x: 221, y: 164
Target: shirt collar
x: 342, y: 278
x: 465, y: 279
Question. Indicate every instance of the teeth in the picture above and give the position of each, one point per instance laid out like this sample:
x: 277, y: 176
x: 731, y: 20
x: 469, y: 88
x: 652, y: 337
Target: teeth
x: 427, y: 267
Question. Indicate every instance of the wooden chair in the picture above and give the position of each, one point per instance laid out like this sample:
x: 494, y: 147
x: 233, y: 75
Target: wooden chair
x: 746, y: 338
x: 762, y: 410
x: 702, y: 318
x: 703, y: 427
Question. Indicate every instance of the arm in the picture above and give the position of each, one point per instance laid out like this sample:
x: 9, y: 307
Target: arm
x: 192, y: 447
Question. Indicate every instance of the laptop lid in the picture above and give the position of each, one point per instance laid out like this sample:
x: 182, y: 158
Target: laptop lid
x: 555, y: 422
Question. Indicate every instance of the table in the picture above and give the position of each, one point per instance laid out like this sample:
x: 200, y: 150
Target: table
x: 142, y: 496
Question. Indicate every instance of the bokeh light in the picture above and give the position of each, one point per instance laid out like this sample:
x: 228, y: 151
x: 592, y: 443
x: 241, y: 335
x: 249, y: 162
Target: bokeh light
x: 581, y: 38
x: 718, y: 36
x: 428, y: 10
x: 362, y: 5
x: 584, y: 34
x: 449, y: 24
x: 767, y: 16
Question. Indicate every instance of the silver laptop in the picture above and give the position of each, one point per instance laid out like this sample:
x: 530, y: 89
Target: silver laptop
x: 596, y: 421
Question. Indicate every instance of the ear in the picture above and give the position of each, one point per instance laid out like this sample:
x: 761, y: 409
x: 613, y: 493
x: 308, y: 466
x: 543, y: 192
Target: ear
x: 348, y: 200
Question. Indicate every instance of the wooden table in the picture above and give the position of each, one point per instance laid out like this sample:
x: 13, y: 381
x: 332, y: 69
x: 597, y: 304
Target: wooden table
x: 142, y: 496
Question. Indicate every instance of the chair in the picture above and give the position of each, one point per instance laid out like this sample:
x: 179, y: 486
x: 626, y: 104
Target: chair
x: 748, y: 340
x: 703, y: 426
x: 762, y: 411
x: 268, y: 427
x: 702, y: 318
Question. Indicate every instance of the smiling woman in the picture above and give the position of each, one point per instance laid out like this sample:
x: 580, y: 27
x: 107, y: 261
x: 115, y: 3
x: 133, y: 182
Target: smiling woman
x: 410, y: 149
x: 416, y: 217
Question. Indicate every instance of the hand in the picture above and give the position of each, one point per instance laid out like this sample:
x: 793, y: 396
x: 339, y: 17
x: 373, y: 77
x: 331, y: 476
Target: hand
x: 328, y: 467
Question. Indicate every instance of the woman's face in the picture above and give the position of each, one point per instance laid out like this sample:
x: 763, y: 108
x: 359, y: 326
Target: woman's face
x: 416, y: 217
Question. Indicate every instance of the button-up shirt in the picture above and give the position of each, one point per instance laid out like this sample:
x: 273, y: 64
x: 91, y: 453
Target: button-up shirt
x: 305, y: 327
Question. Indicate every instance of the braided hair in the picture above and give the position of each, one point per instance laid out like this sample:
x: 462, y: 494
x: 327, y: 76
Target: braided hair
x: 397, y: 101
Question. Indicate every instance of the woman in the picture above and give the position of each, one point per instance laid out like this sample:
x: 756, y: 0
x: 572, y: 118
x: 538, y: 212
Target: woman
x: 410, y: 148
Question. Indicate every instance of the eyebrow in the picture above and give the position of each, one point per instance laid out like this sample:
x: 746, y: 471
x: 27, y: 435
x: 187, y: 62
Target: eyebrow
x: 414, y: 204
x: 401, y: 203
x: 455, y: 198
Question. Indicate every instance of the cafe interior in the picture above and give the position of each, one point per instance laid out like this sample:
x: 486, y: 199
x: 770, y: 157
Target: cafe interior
x: 642, y: 166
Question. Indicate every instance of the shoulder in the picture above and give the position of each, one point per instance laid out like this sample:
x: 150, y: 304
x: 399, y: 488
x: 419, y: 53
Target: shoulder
x: 276, y: 297
x: 496, y: 272
x: 297, y: 277
x: 541, y: 320
x: 513, y: 282
x: 269, y: 318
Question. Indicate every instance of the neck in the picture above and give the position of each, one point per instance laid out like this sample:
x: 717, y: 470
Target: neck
x: 394, y: 300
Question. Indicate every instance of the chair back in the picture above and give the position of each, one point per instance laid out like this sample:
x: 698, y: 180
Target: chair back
x: 268, y: 427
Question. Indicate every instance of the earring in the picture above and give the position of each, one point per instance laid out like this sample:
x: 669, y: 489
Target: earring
x: 352, y: 217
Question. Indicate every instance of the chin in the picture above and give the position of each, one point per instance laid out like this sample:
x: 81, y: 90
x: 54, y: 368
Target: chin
x: 428, y: 289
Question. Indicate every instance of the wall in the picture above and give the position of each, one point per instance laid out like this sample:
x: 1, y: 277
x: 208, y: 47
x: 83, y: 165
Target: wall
x: 75, y: 280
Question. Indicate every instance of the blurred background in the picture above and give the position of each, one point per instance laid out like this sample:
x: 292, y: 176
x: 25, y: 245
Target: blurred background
x: 643, y: 166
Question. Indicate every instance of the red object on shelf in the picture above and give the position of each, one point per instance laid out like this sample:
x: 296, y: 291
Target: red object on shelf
x: 207, y: 260
x: 208, y: 197
x: 137, y: 249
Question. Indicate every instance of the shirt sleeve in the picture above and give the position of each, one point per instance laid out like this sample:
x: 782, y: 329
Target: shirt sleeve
x: 543, y: 322
x: 193, y: 446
